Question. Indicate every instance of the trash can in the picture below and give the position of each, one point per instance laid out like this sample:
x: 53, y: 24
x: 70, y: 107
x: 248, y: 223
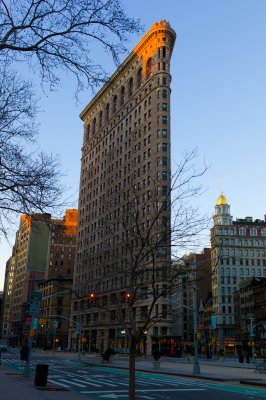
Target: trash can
x: 41, y: 374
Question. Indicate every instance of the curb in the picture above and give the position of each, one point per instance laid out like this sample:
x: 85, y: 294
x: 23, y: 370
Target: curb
x: 207, y: 378
x: 252, y: 383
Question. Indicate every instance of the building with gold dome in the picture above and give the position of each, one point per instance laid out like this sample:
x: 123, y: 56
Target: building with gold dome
x: 238, y: 252
x: 222, y: 200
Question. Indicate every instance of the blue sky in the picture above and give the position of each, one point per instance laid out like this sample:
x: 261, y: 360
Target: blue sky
x: 218, y: 101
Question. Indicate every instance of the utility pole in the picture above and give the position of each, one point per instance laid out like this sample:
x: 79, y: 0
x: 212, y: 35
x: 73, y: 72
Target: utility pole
x: 78, y: 339
x: 196, y: 366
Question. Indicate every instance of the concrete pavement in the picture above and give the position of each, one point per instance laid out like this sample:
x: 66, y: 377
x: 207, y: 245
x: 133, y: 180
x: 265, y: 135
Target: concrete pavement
x: 227, y: 370
x: 16, y: 387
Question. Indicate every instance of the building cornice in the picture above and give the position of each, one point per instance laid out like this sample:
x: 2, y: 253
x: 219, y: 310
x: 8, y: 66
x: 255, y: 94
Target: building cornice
x: 156, y: 28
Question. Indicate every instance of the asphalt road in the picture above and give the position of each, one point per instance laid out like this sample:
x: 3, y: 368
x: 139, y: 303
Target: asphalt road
x: 98, y: 382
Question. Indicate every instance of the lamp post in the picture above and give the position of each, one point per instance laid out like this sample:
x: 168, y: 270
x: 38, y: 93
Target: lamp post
x: 251, y: 319
x: 196, y: 366
x: 77, y: 329
x: 159, y: 336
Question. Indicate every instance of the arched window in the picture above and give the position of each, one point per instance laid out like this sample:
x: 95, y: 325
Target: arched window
x: 148, y: 68
x: 101, y: 118
x: 87, y: 133
x: 139, y: 77
x: 130, y: 87
x: 122, y: 95
x: 115, y: 104
x: 107, y: 110
x: 164, y: 94
x: 94, y: 127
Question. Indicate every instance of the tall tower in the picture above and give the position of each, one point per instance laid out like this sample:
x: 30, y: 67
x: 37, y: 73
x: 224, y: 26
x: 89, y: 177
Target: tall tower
x: 222, y: 212
x: 125, y: 164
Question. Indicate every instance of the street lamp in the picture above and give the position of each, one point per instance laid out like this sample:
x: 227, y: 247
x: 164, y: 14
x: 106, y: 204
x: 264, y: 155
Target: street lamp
x: 251, y: 319
x: 196, y: 366
x: 159, y: 336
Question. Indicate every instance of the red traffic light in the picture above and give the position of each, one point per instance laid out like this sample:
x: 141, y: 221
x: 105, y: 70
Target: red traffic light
x: 127, y: 297
x: 91, y: 296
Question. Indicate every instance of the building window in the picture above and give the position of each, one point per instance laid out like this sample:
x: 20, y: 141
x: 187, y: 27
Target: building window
x: 164, y: 190
x: 164, y: 133
x: 148, y: 68
x: 144, y: 312
x: 164, y: 147
x: 253, y: 232
x: 139, y: 77
x: 130, y: 87
x: 164, y: 175
x: 164, y: 311
x: 164, y: 106
x: 107, y: 109
x: 242, y: 231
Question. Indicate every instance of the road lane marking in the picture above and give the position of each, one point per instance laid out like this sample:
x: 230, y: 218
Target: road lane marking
x: 72, y: 383
x: 92, y: 384
x: 58, y: 383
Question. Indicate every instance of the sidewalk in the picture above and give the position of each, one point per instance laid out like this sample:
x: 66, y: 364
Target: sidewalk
x: 14, y: 386
x: 227, y: 370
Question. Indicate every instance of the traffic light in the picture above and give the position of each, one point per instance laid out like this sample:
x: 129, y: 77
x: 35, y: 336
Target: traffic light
x: 42, y: 322
x: 127, y: 297
x: 91, y: 297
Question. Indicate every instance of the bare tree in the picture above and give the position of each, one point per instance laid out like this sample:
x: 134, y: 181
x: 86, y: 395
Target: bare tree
x: 60, y: 35
x: 29, y: 182
x: 141, y: 268
x: 49, y: 36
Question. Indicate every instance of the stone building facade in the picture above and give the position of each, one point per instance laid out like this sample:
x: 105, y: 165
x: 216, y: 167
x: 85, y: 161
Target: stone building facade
x: 238, y: 251
x: 125, y: 165
x: 44, y: 248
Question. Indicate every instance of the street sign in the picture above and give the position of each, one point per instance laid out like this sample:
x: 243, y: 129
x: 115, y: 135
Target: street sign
x: 34, y: 310
x: 213, y: 321
x: 37, y: 296
x: 34, y: 323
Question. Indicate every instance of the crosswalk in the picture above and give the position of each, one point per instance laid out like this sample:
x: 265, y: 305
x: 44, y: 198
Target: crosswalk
x: 90, y: 381
x: 96, y: 381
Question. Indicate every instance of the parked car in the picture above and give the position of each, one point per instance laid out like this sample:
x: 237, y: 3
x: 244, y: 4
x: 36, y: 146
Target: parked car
x: 3, y: 344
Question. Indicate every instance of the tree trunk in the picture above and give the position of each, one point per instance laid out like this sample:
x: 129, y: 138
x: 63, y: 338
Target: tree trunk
x: 132, y: 370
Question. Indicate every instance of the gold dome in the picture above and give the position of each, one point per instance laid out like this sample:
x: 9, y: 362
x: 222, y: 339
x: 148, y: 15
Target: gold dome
x: 222, y: 200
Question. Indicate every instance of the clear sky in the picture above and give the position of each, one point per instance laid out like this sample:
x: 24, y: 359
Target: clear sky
x: 218, y: 101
